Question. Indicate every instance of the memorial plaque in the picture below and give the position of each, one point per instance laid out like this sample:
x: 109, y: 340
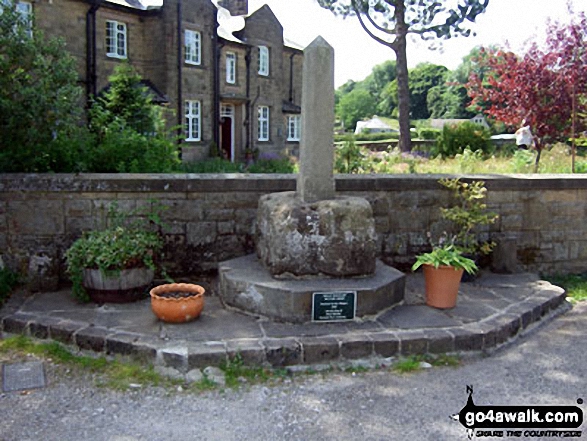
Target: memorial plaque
x: 334, y: 306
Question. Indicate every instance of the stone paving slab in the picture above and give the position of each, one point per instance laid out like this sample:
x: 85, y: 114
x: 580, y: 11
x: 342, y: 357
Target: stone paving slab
x: 23, y: 376
x: 490, y: 311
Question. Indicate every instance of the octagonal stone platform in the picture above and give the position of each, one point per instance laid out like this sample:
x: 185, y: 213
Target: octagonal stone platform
x: 246, y: 284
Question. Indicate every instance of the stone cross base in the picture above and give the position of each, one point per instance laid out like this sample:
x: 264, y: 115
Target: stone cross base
x: 245, y: 284
x: 333, y: 238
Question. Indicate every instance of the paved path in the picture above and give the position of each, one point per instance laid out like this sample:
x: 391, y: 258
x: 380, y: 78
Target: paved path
x: 547, y: 366
x: 489, y: 311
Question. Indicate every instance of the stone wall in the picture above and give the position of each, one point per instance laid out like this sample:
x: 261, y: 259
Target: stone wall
x: 211, y: 217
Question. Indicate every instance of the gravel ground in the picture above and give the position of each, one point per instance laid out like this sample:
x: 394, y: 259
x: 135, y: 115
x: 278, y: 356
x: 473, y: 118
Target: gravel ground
x: 547, y: 367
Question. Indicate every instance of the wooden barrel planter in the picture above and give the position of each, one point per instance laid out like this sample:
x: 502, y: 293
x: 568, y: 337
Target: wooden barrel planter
x: 125, y: 286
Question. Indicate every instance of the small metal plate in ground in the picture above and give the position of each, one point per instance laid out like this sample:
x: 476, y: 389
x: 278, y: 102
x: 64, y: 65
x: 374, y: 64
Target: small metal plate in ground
x: 23, y: 376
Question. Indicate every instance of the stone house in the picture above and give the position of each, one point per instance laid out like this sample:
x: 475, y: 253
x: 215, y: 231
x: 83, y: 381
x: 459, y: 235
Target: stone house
x: 238, y: 90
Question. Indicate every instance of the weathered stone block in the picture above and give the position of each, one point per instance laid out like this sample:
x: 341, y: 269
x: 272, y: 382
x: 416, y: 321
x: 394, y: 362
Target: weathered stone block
x: 38, y: 217
x: 320, y: 349
x: 92, y: 338
x: 201, y: 233
x: 334, y: 237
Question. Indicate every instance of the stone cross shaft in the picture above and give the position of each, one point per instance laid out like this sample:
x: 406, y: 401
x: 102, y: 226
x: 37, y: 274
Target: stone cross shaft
x: 316, y: 180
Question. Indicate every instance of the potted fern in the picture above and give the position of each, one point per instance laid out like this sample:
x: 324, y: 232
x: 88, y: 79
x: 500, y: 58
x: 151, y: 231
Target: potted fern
x: 116, y: 264
x: 443, y: 269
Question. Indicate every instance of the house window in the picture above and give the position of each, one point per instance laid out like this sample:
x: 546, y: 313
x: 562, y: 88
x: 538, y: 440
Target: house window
x: 193, y: 120
x: 263, y: 123
x: 263, y: 60
x: 25, y: 10
x: 193, y: 47
x: 231, y: 67
x: 294, y: 127
x: 115, y: 39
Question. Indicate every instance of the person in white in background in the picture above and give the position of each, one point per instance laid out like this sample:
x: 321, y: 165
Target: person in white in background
x: 524, y: 138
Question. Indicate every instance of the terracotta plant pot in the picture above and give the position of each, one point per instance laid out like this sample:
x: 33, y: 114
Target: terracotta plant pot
x: 126, y: 286
x: 177, y: 309
x: 442, y: 285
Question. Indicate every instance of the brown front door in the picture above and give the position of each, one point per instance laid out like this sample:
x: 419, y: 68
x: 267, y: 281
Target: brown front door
x: 226, y: 137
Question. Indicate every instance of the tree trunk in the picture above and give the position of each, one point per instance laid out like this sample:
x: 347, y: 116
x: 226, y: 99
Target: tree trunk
x: 403, y: 90
x: 538, y: 146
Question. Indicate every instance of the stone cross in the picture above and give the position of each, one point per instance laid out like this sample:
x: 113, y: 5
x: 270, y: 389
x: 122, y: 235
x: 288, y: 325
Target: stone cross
x: 316, y: 180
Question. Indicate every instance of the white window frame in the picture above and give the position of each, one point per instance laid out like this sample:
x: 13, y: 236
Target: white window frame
x: 25, y: 10
x: 116, y: 39
x: 294, y: 127
x: 263, y: 60
x: 263, y: 123
x: 231, y: 68
x: 193, y: 120
x: 193, y: 47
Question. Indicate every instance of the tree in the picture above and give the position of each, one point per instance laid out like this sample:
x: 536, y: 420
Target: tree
x: 130, y: 128
x: 538, y: 87
x: 423, y: 78
x: 390, y: 21
x: 355, y: 106
x: 379, y: 77
x: 128, y: 102
x: 39, y: 98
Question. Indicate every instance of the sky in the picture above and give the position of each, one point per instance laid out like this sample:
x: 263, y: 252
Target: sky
x: 511, y: 22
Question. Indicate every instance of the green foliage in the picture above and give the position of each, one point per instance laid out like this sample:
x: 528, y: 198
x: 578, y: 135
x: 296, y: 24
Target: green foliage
x: 368, y: 136
x: 213, y: 165
x: 127, y: 242
x: 454, y: 138
x: 355, y: 106
x: 413, y: 363
x: 350, y: 158
x: 39, y: 98
x: 468, y: 160
x: 428, y: 133
x: 574, y: 284
x: 423, y: 78
x: 130, y: 129
x: 523, y: 161
x: 284, y: 165
x: 235, y: 371
x: 111, y: 373
x: 124, y: 150
x: 469, y: 212
x: 128, y: 102
x: 8, y: 280
x: 446, y: 254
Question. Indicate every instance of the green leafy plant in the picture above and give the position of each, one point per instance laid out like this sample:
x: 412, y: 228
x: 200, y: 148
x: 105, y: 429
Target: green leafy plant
x: 350, y: 158
x: 212, y: 165
x: 39, y: 97
x: 456, y: 137
x: 125, y: 243
x: 8, y: 280
x: 129, y: 128
x: 469, y: 212
x: 446, y: 255
x: 574, y: 284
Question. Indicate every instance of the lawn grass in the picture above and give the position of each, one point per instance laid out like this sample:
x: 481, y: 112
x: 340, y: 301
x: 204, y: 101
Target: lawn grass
x: 574, y: 284
x: 113, y: 374
x: 414, y: 363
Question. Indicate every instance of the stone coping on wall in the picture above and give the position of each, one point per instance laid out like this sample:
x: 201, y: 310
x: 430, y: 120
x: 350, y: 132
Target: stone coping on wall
x: 242, y: 182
